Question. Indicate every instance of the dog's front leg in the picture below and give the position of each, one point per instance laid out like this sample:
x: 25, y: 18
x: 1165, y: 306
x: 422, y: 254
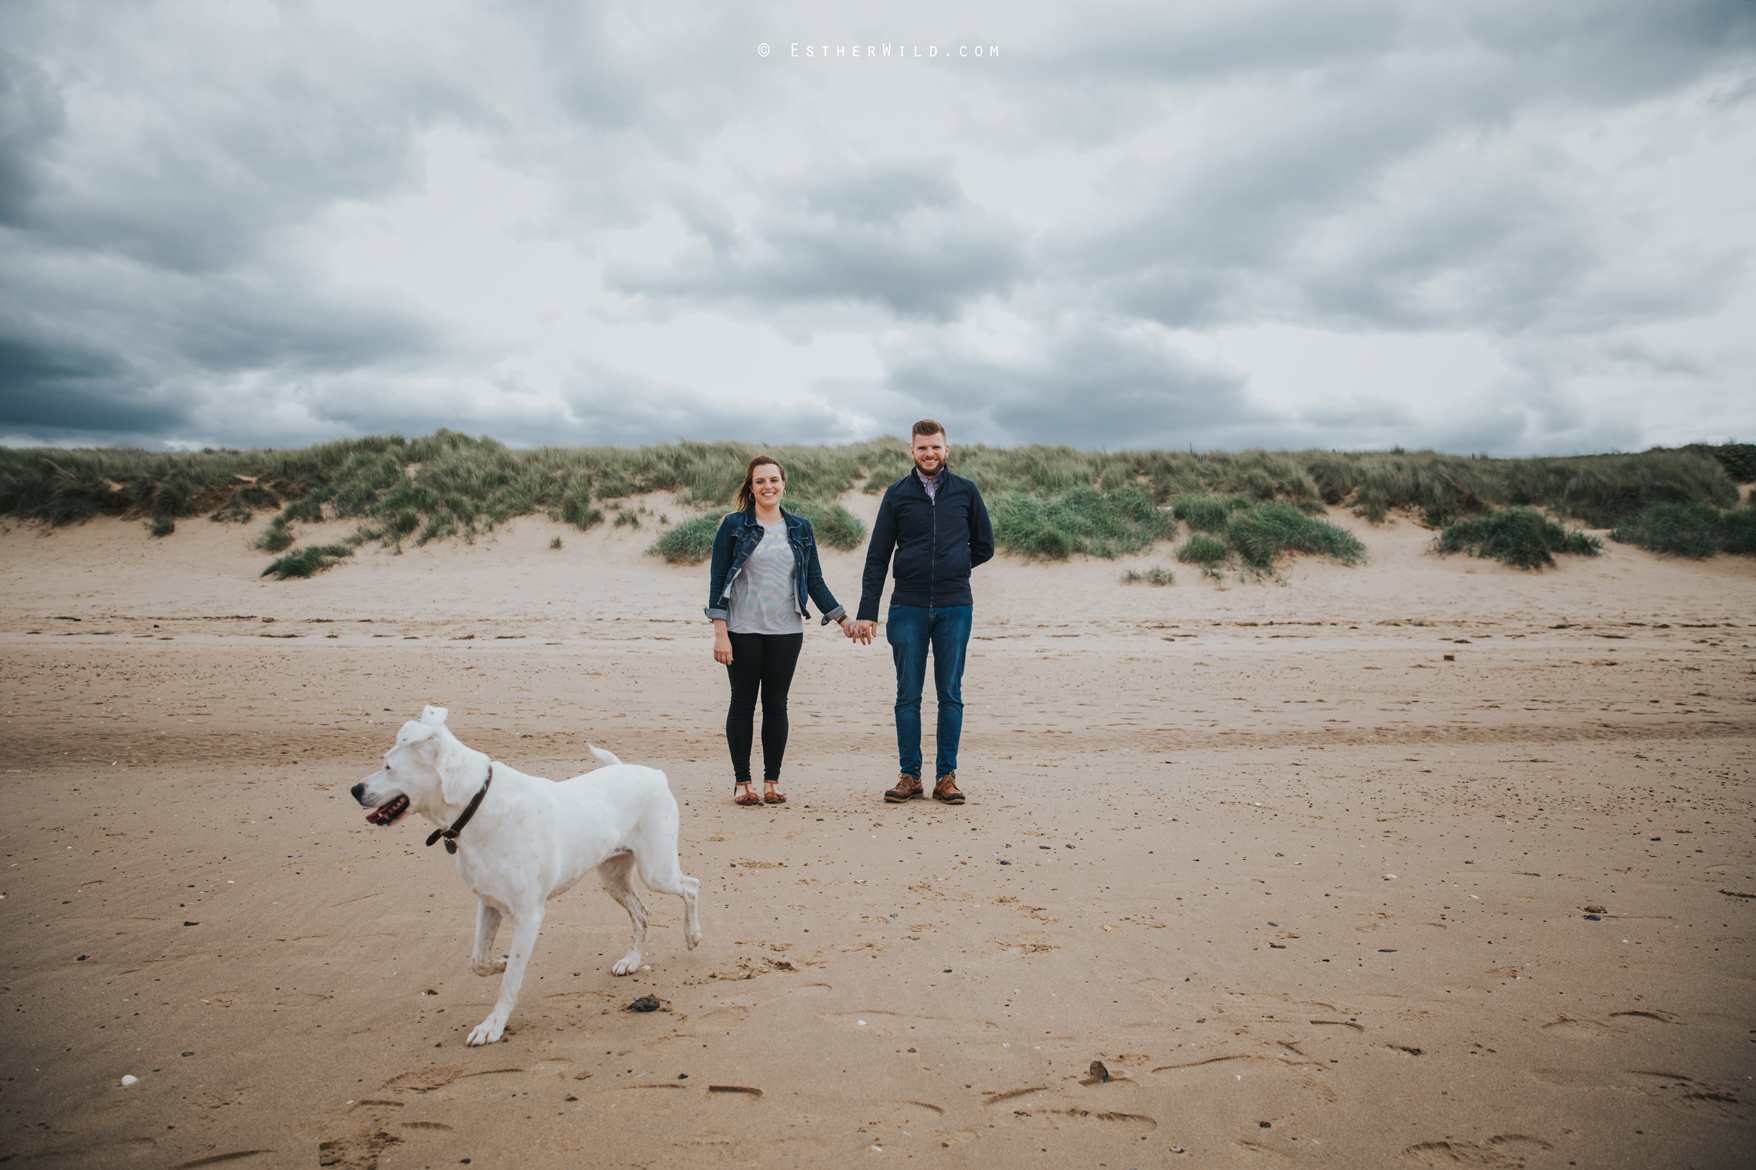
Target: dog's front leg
x: 482, y: 960
x: 525, y: 925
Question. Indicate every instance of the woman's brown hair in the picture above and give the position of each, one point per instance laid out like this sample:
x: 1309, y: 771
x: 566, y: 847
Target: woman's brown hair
x: 746, y: 493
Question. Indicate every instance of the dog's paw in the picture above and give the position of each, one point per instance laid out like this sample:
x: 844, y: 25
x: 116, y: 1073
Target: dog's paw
x: 627, y: 964
x: 493, y: 967
x: 693, y: 938
x: 486, y: 1032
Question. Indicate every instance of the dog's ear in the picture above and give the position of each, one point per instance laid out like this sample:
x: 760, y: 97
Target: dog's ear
x: 434, y: 716
x: 413, y: 732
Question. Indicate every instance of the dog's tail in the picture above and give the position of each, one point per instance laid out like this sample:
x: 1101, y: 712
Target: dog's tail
x: 603, y: 756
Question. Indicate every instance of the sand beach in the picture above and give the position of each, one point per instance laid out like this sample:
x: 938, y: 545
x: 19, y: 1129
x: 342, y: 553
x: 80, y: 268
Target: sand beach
x: 1427, y: 862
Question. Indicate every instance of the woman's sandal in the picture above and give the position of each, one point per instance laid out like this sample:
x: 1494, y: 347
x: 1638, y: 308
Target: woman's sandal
x: 745, y: 797
x: 773, y: 797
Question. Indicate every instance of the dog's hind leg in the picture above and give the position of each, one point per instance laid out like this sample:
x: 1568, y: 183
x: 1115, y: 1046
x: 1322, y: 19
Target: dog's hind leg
x: 663, y: 875
x: 615, y: 872
x: 525, y: 925
x: 481, y: 959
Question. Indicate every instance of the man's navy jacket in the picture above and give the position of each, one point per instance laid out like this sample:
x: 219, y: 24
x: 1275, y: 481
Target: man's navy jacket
x: 937, y: 541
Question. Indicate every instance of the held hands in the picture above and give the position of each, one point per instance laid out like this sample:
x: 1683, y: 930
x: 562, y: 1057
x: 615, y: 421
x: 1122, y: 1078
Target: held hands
x: 860, y: 631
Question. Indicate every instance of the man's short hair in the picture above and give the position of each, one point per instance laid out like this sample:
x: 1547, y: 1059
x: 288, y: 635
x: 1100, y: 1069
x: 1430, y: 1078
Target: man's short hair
x: 926, y: 427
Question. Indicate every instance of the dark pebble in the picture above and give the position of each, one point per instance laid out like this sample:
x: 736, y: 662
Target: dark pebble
x: 1387, y: 950
x: 1005, y: 863
x: 1593, y: 918
x: 646, y: 1003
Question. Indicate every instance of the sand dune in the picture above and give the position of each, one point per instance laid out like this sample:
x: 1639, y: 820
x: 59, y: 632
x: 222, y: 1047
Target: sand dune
x: 1427, y: 862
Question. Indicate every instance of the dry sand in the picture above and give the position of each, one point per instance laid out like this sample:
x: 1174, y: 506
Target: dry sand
x: 1306, y: 865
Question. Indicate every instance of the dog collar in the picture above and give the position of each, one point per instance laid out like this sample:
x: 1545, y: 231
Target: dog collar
x: 450, y: 834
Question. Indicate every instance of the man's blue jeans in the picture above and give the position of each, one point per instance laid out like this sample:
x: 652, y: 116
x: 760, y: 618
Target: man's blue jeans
x: 911, y: 630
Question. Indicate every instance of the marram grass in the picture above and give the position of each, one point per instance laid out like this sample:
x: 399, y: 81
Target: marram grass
x: 1690, y: 530
x: 307, y: 561
x: 1517, y: 536
x: 1081, y: 520
x: 1049, y: 502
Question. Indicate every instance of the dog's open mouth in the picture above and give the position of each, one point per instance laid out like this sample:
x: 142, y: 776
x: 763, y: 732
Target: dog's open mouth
x: 389, y: 812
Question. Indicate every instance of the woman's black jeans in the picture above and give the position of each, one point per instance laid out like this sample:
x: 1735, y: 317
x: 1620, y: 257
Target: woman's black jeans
x: 760, y: 663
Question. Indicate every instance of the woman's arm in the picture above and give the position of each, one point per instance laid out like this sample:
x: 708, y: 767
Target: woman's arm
x: 723, y: 541
x: 722, y: 643
x: 815, y: 585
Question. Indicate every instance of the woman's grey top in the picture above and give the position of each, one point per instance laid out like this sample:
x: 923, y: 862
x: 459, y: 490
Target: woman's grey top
x: 764, y: 597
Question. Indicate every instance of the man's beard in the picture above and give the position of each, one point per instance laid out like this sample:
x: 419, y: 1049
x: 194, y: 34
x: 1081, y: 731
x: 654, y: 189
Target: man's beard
x: 943, y: 463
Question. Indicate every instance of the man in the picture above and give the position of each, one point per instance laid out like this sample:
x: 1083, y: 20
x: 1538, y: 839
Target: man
x: 937, y: 526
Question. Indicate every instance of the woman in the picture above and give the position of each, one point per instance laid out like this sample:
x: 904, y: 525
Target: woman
x: 764, y: 570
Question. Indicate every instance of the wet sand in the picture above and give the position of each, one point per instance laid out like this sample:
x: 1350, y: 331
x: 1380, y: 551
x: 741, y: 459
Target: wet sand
x: 1427, y: 862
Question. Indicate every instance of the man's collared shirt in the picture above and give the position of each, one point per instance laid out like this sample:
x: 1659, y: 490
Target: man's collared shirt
x: 932, y: 485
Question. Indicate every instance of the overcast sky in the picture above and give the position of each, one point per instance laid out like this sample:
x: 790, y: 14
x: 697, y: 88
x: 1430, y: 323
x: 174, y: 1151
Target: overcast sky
x: 1499, y: 226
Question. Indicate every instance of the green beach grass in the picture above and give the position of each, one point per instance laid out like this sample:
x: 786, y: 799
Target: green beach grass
x: 1048, y: 502
x: 1516, y: 536
x: 1693, y: 529
x: 1081, y: 519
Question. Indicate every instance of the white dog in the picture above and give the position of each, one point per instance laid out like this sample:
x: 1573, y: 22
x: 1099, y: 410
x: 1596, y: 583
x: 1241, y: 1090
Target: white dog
x: 520, y: 840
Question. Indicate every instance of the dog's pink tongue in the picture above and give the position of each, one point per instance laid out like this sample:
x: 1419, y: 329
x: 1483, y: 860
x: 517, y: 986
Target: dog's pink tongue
x: 372, y: 817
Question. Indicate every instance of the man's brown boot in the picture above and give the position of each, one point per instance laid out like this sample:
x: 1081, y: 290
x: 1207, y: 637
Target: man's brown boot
x: 946, y: 789
x: 907, y: 788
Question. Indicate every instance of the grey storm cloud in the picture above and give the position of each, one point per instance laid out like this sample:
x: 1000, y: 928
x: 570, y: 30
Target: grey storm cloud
x: 1380, y: 182
x: 31, y: 116
x: 158, y: 180
x: 54, y: 387
x: 1088, y: 384
x: 1485, y: 59
x: 172, y: 179
x: 606, y: 405
x: 900, y: 236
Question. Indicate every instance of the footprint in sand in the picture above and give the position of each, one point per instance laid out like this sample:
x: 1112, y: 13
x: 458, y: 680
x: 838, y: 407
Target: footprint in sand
x: 725, y: 1018
x: 425, y: 1080
x: 441, y: 1078
x: 1509, y: 1150
x: 357, y: 1152
x: 1028, y: 1107
x: 1694, y: 1094
x: 1136, y: 1121
x: 679, y: 1042
x: 1574, y: 1028
x: 1570, y: 1028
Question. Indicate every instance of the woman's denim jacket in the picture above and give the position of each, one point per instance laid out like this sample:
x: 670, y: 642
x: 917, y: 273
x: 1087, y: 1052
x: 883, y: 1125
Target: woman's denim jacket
x: 738, y: 536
